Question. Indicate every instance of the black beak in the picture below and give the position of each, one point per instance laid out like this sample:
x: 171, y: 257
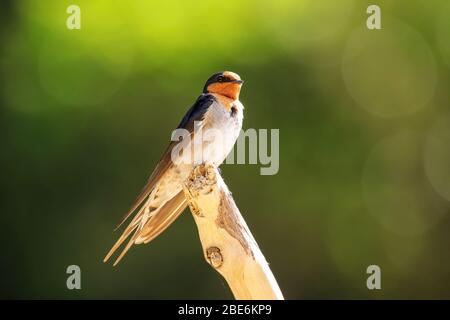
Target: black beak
x: 237, y: 81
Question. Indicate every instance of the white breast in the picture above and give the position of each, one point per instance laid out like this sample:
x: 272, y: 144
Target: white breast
x: 221, y: 131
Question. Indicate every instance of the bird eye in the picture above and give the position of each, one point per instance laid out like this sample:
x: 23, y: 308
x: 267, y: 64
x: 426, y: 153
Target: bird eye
x: 220, y: 79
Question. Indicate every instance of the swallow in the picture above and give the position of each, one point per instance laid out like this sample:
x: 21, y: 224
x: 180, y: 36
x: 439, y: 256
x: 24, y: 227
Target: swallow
x: 219, y: 110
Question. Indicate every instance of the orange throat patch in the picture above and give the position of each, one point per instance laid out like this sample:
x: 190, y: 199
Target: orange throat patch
x: 227, y: 89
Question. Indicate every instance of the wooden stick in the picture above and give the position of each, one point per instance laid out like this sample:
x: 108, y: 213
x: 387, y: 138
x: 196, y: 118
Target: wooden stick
x: 228, y: 244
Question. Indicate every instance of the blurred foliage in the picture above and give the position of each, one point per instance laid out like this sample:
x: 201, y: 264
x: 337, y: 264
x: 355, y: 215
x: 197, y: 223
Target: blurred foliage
x: 364, y: 142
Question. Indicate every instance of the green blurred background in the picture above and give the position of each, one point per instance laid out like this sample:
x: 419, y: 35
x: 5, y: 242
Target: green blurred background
x: 364, y: 125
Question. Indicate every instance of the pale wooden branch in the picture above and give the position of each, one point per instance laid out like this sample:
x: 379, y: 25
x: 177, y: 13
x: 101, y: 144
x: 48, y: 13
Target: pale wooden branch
x: 228, y: 244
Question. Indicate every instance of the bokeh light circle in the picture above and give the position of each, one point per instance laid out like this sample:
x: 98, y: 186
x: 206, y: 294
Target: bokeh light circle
x: 389, y: 72
x: 395, y: 189
x: 437, y: 156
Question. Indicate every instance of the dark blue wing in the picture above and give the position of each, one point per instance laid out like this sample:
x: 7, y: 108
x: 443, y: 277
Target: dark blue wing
x: 195, y: 113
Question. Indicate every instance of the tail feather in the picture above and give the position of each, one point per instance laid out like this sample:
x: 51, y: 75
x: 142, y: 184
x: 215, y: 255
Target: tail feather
x: 134, y: 224
x: 127, y: 247
x: 159, y: 222
x: 147, y: 224
x: 131, y: 227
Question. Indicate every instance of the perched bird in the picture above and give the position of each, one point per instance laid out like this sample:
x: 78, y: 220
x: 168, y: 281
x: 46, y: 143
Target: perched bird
x: 217, y: 111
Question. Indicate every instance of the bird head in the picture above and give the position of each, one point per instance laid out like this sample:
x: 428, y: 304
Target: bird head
x: 225, y: 83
